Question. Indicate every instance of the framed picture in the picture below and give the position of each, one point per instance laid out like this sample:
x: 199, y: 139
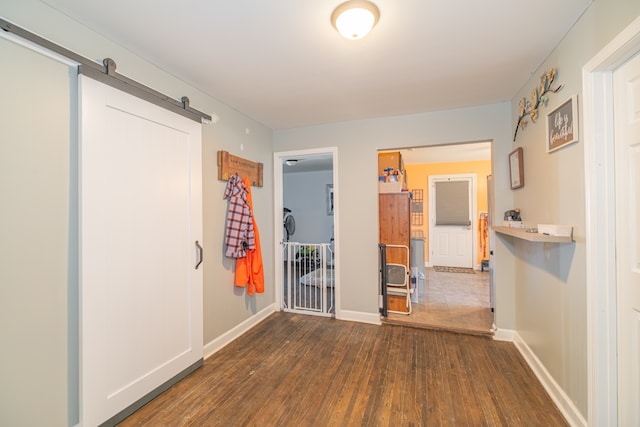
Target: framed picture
x: 329, y: 199
x: 562, y: 124
x: 516, y: 168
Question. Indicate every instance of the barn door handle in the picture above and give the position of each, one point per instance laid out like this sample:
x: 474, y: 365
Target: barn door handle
x: 199, y: 248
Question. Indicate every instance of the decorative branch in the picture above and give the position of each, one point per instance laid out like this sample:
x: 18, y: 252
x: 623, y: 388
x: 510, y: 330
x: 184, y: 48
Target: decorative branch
x: 538, y: 98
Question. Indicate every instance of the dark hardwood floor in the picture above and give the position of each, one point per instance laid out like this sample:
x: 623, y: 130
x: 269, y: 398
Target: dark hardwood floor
x: 298, y: 370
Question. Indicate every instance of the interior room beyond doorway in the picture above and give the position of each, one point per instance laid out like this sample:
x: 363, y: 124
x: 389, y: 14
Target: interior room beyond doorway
x: 457, y: 299
x: 453, y: 301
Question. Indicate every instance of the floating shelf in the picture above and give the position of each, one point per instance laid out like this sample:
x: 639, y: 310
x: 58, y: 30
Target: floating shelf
x: 531, y: 237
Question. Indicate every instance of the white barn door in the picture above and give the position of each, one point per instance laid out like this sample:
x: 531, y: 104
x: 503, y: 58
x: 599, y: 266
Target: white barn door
x: 140, y: 218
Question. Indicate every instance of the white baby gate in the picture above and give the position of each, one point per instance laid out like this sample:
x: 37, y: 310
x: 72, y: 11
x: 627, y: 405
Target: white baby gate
x: 308, y: 278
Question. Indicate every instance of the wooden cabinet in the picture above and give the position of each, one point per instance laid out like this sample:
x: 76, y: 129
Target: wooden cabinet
x: 395, y: 222
x: 390, y: 160
x: 395, y: 229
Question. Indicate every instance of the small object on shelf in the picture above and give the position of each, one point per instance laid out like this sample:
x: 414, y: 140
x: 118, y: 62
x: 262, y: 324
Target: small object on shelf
x: 513, y: 224
x: 555, y: 230
x: 388, y: 173
x: 513, y: 215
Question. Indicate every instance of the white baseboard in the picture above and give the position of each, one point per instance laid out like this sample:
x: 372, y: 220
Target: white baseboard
x: 557, y: 394
x: 358, y: 316
x: 504, y: 335
x: 215, y: 345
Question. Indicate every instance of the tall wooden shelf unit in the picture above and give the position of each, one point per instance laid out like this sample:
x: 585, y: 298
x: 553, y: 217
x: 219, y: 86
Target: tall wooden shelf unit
x: 395, y: 229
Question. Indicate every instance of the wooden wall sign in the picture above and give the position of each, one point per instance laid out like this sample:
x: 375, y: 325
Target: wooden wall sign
x: 228, y: 164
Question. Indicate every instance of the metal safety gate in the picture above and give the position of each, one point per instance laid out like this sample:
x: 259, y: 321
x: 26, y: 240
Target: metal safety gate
x: 309, y: 278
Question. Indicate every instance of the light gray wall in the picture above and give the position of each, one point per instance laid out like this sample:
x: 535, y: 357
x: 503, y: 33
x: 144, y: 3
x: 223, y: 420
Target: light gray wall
x: 38, y: 253
x: 357, y: 215
x: 305, y: 194
x: 38, y: 323
x: 550, y: 280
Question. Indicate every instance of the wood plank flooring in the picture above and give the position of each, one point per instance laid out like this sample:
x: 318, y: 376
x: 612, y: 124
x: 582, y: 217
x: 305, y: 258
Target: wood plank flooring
x: 300, y: 370
x: 451, y: 301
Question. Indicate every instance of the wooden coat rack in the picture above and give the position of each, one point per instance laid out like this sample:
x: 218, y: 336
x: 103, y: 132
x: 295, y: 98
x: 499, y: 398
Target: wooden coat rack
x: 228, y: 164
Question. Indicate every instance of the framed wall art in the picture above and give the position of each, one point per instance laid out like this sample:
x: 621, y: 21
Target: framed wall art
x: 516, y: 168
x: 329, y: 199
x: 562, y: 124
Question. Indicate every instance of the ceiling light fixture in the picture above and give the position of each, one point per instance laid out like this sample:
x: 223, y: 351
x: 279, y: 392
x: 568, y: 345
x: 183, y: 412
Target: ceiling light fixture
x: 291, y: 162
x: 355, y: 18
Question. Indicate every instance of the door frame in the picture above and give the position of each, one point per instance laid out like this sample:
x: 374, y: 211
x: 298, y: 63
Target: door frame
x: 279, y: 158
x: 597, y: 89
x: 473, y: 207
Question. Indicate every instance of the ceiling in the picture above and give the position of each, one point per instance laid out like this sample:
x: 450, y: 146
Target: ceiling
x: 447, y: 153
x: 410, y: 156
x: 281, y: 62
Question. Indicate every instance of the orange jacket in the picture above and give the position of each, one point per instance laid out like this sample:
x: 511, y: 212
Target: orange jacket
x: 250, y: 270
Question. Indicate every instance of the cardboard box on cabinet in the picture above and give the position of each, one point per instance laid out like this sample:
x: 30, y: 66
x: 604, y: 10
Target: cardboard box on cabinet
x: 389, y: 187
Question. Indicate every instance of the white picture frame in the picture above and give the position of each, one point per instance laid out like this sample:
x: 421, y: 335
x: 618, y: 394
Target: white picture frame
x: 516, y: 168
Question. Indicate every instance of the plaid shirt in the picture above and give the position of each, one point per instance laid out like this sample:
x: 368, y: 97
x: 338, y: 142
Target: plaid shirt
x: 240, y: 235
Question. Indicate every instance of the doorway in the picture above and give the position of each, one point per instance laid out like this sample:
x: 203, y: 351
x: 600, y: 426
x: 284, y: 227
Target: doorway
x: 451, y: 298
x: 307, y: 268
x: 452, y: 203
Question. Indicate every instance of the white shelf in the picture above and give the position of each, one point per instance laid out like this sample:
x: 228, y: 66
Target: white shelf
x: 521, y: 233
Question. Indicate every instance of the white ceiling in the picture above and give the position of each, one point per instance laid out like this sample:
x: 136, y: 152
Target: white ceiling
x: 282, y: 63
x: 447, y: 153
x: 410, y: 156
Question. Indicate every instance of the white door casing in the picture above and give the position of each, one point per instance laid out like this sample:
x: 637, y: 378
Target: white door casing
x: 140, y: 215
x: 626, y: 81
x: 278, y: 184
x: 452, y: 245
x: 599, y: 142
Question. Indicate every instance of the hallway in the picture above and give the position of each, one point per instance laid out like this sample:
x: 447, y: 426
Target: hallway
x: 457, y: 302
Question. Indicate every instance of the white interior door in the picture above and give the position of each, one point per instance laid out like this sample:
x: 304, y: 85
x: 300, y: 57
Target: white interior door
x: 140, y: 215
x: 451, y: 220
x: 627, y: 166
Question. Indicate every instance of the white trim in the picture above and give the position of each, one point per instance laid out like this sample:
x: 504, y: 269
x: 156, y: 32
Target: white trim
x: 504, y: 335
x: 557, y: 394
x: 218, y: 343
x: 359, y: 316
x: 278, y: 197
x: 600, y: 223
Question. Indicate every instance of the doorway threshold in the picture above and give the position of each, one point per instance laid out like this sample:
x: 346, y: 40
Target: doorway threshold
x: 448, y: 301
x: 436, y: 327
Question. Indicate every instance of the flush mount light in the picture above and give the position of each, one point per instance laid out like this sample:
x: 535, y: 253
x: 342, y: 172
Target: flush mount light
x: 291, y: 162
x: 355, y: 18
